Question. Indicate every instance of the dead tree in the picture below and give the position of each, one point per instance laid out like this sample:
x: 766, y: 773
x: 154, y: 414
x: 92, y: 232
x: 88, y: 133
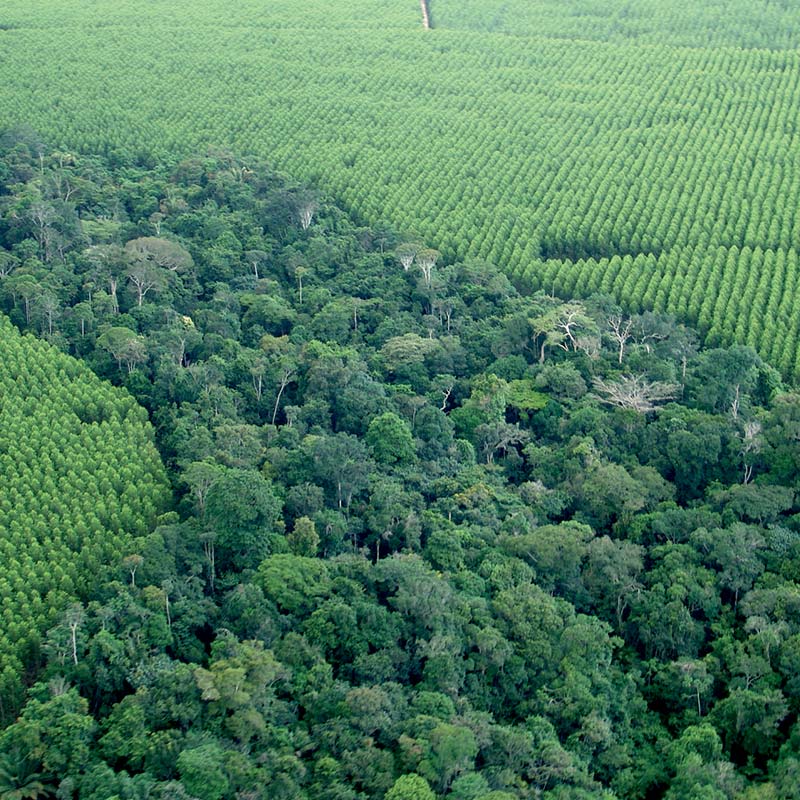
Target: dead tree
x: 621, y: 330
x: 635, y: 392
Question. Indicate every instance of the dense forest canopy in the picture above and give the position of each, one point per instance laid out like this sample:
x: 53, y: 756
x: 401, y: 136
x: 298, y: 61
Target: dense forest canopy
x: 644, y: 150
x: 432, y: 537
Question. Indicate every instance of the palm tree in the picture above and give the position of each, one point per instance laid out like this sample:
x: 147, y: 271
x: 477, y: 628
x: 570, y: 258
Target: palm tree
x: 18, y: 781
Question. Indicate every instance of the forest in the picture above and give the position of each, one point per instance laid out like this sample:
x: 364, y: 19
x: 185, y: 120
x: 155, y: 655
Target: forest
x: 428, y: 536
x: 399, y: 406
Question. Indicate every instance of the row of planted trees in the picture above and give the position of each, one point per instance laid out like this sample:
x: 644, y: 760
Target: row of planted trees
x: 215, y: 14
x: 762, y: 25
x: 732, y: 295
x: 81, y: 480
x: 604, y: 150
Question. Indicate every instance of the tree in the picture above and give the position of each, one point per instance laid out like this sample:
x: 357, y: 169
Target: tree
x: 405, y: 253
x: 342, y: 462
x: 239, y: 685
x: 562, y: 381
x: 304, y: 539
x: 307, y: 206
x: 493, y: 437
x: 145, y: 277
x: 391, y: 513
x: 410, y: 787
x: 54, y: 731
x: 750, y: 718
x: 700, y: 771
x: 161, y: 252
x: 84, y: 314
x: 751, y: 444
x: 109, y: 262
x: 256, y: 258
x: 8, y: 263
x: 545, y: 332
x: 613, y: 576
x: 781, y: 434
x: 721, y: 380
x: 202, y: 771
x: 282, y: 357
x: 452, y: 752
x: 19, y: 779
x: 258, y: 370
x: 574, y: 323
x: 74, y: 619
x: 178, y: 339
x: 635, y: 392
x: 125, y: 345
x: 622, y: 331
x: 48, y: 307
x: 555, y: 552
x: 200, y: 477
x: 691, y: 680
x: 131, y: 564
x: 239, y: 445
x: 608, y: 493
x: 522, y: 397
x: 156, y: 219
x: 410, y: 348
x: 444, y: 385
x: 43, y: 216
x: 486, y: 405
x: 389, y: 439
x: 735, y: 551
x: 650, y: 330
x: 426, y: 260
x: 759, y: 503
x: 126, y: 732
x: 681, y: 599
x: 243, y: 509
x: 300, y: 272
x: 294, y: 583
x: 27, y: 287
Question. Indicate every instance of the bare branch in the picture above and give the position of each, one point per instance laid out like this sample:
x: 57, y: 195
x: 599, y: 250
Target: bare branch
x: 634, y: 392
x: 622, y: 331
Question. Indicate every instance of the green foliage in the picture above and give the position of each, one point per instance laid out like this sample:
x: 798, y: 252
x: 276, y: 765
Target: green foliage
x: 629, y: 163
x: 389, y: 438
x: 410, y: 787
x: 590, y: 593
x: 82, y: 484
x: 244, y: 510
x: 293, y: 582
x: 55, y: 732
x: 202, y: 772
x: 682, y: 22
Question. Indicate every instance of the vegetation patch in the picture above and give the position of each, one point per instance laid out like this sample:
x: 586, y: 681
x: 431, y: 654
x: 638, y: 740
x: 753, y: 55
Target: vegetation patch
x: 82, y: 481
x: 433, y: 537
x: 544, y: 137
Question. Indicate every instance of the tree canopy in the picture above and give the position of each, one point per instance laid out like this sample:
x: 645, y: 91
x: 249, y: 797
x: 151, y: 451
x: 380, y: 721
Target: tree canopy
x: 487, y: 553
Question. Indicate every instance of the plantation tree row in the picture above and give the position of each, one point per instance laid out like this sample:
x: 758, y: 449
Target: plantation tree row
x: 81, y: 480
x: 742, y: 23
x: 752, y: 24
x: 360, y: 14
x: 731, y: 295
x: 514, y: 149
